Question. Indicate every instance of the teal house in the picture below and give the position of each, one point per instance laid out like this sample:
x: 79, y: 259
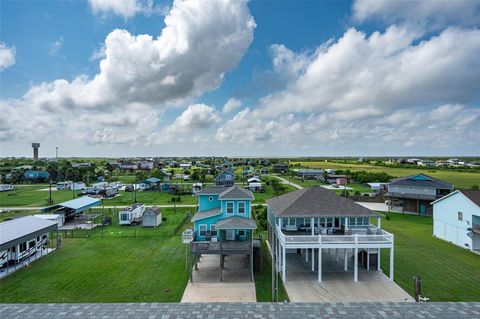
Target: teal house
x: 223, y: 223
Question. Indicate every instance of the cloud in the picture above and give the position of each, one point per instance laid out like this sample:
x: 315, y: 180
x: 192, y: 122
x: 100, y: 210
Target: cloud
x: 126, y: 8
x: 231, y: 105
x: 55, y: 46
x: 139, y: 74
x: 7, y: 56
x: 430, y: 14
x: 383, y: 72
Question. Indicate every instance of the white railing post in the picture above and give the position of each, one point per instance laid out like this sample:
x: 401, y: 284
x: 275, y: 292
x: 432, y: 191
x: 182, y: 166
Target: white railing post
x: 391, y: 261
x: 345, y: 259
x: 319, y: 258
x: 312, y: 225
x: 284, y: 268
x: 355, y: 265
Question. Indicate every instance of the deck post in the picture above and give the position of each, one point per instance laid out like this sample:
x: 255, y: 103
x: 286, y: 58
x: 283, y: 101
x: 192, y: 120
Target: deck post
x: 320, y: 258
x: 378, y: 259
x: 306, y: 255
x: 191, y: 268
x: 368, y: 259
x: 312, y: 225
x: 391, y: 261
x: 313, y: 259
x: 345, y: 259
x: 355, y: 263
x: 336, y: 254
x: 284, y: 270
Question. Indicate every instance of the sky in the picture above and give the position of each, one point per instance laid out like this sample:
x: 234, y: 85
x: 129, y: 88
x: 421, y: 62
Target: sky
x: 113, y: 78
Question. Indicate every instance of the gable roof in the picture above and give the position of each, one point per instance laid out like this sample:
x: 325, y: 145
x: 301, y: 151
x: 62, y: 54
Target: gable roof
x: 236, y: 192
x: 221, y: 176
x: 421, y: 180
x: 317, y: 201
x: 152, y: 180
x: 472, y: 195
x: 236, y: 222
x: 215, y: 190
x: 206, y: 214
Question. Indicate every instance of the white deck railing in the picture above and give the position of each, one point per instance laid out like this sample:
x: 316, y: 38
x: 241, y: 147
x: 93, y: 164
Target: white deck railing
x: 359, y: 236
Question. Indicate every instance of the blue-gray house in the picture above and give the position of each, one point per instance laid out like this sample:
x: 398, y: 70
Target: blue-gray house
x: 223, y: 223
x: 226, y: 178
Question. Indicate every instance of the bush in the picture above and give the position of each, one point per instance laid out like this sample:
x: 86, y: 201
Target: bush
x: 387, y: 217
x: 179, y: 199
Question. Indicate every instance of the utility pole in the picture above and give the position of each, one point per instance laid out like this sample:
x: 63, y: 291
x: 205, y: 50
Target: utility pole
x: 50, y: 201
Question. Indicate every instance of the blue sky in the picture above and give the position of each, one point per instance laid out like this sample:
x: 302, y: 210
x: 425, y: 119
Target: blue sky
x: 301, y: 78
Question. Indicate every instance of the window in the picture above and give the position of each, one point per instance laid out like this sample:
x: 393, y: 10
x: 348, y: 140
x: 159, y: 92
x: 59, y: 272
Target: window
x: 241, y: 207
x: 329, y: 222
x: 124, y: 217
x: 228, y: 177
x: 352, y: 221
x: 241, y: 233
x: 292, y: 222
x: 229, y: 207
x: 202, y: 230
x: 213, y: 230
x: 31, y: 244
x: 23, y: 247
x: 210, y: 198
x: 460, y: 216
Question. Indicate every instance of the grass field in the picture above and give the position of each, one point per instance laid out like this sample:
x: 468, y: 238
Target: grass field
x: 31, y: 195
x: 448, y: 273
x: 117, y: 268
x: 459, y: 179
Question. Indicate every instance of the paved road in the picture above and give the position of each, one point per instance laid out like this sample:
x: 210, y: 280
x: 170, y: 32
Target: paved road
x: 261, y: 310
x: 286, y: 181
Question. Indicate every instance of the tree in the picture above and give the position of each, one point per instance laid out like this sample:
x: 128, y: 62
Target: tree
x: 157, y: 173
x: 474, y: 187
x: 195, y: 175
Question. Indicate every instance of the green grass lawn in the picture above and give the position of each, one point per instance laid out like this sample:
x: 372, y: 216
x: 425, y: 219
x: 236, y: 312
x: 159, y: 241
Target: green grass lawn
x: 17, y: 213
x: 117, y: 268
x: 32, y: 195
x: 448, y: 273
x: 459, y: 179
x: 263, y: 280
x: 148, y: 198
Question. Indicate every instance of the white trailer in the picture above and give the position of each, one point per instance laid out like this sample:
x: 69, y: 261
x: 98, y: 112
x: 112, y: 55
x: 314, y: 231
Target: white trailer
x: 5, y: 187
x: 131, y: 215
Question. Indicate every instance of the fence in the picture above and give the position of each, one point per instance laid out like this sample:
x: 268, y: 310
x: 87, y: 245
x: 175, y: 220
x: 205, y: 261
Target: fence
x: 182, y: 223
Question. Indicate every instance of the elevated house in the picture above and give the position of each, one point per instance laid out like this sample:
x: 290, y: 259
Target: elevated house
x: 280, y: 168
x: 416, y: 193
x: 309, y: 173
x: 226, y: 178
x: 317, y: 222
x: 456, y: 219
x: 223, y: 224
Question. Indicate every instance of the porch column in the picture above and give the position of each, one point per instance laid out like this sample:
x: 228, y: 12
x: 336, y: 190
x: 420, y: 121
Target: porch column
x: 313, y: 259
x: 346, y: 223
x: 345, y: 259
x: 368, y: 258
x: 312, y: 225
x: 378, y: 260
x: 355, y: 263
x: 284, y: 271
x: 391, y: 261
x: 306, y: 255
x: 336, y: 254
x: 221, y: 266
x: 319, y: 258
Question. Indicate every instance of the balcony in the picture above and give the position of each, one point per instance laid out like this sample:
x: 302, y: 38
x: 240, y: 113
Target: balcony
x: 369, y: 236
x: 226, y: 247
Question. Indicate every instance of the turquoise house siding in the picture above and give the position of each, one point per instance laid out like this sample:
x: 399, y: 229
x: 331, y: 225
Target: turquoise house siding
x: 204, y: 202
x: 235, y: 208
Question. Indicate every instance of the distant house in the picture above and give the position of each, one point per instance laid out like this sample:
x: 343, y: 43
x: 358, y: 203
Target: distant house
x: 36, y: 175
x: 152, y: 217
x: 338, y: 179
x: 185, y: 165
x: 128, y: 166
x: 81, y: 165
x: 280, y: 168
x: 456, y: 218
x: 416, y: 193
x: 147, y: 165
x: 425, y: 163
x: 226, y: 178
x: 264, y: 171
x: 309, y: 173
x: 377, y: 186
x: 254, y: 185
x: 149, y: 183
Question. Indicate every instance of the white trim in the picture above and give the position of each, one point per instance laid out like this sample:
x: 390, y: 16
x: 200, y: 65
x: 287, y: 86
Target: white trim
x: 244, y: 208
x: 233, y: 208
x: 200, y: 230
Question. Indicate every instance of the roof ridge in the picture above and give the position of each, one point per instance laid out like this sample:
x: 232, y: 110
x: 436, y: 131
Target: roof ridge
x: 301, y: 192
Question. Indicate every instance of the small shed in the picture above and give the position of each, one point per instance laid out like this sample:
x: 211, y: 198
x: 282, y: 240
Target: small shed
x: 152, y: 217
x: 165, y: 187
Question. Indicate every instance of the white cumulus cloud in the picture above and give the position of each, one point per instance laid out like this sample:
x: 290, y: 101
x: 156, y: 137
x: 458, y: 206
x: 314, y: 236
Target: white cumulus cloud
x: 231, y: 105
x: 7, y: 56
x: 124, y: 8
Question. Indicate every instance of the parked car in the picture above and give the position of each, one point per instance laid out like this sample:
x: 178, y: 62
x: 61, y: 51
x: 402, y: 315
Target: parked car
x: 129, y: 188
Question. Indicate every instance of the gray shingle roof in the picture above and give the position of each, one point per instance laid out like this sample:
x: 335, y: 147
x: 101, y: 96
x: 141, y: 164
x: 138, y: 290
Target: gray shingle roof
x: 474, y: 196
x: 236, y: 222
x: 216, y: 190
x: 317, y: 201
x: 206, y: 214
x: 236, y: 192
x: 421, y: 180
x: 155, y: 210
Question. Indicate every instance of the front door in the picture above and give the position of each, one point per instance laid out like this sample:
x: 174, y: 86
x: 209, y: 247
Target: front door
x: 422, y: 209
x: 230, y: 234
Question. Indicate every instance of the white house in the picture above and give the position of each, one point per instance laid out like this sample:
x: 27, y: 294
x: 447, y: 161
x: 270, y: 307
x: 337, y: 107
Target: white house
x: 456, y: 218
x: 131, y: 215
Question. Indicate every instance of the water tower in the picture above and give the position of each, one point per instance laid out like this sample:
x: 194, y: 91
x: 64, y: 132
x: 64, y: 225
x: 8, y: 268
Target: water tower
x: 35, y: 146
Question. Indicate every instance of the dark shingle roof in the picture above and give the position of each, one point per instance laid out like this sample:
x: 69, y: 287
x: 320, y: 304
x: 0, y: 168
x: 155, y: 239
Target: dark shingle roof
x: 155, y: 210
x: 206, y: 214
x: 421, y: 180
x: 212, y: 190
x: 236, y: 192
x: 474, y: 196
x: 317, y: 201
x: 236, y: 222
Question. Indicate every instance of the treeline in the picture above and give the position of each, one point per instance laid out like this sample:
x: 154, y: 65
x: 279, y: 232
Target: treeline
x: 363, y: 177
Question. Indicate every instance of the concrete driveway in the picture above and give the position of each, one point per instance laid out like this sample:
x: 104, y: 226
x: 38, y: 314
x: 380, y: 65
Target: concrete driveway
x: 207, y: 287
x: 338, y: 285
